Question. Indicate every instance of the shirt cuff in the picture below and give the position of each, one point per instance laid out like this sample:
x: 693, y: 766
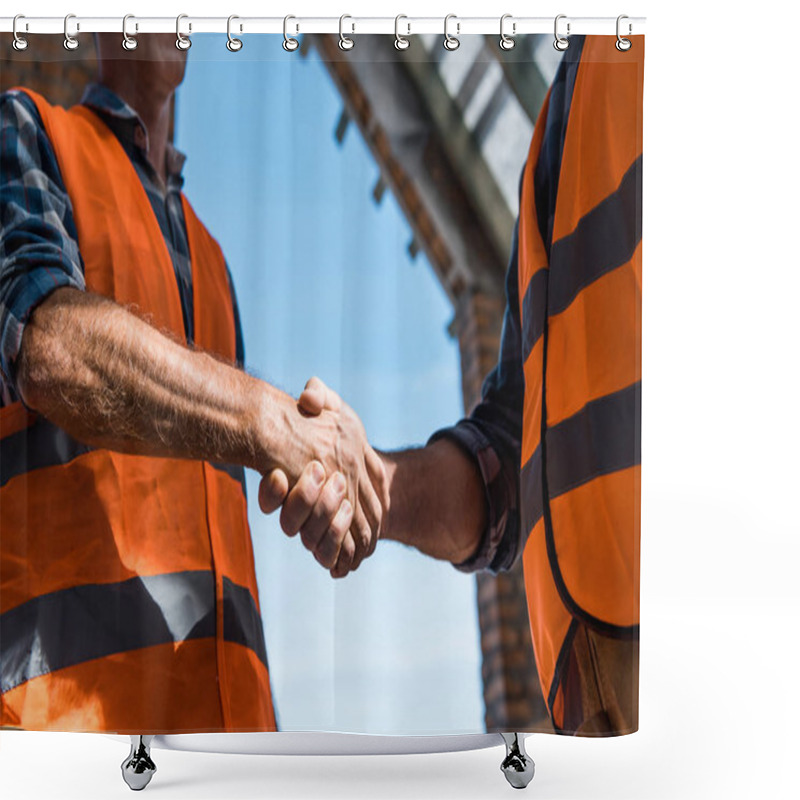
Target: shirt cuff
x: 499, y: 543
x: 16, y: 309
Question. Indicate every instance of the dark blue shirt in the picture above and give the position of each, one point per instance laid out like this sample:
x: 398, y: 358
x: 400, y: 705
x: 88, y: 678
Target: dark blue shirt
x: 492, y: 435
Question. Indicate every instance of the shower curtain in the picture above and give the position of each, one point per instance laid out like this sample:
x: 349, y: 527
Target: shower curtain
x: 439, y: 533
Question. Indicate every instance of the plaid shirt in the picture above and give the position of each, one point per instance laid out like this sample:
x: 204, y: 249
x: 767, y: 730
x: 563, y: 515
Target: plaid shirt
x: 38, y: 239
x: 492, y: 435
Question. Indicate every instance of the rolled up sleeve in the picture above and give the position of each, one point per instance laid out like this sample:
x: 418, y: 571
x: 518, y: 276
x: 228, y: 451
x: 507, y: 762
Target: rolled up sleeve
x: 38, y: 239
x: 492, y: 436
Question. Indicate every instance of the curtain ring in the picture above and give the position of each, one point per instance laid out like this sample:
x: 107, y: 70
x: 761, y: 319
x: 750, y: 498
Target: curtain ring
x: 507, y: 42
x: 182, y: 42
x: 233, y: 44
x: 289, y: 44
x: 451, y: 42
x: 621, y: 44
x: 128, y: 42
x: 400, y: 42
x: 561, y: 43
x: 20, y: 43
x: 345, y: 43
x: 70, y: 42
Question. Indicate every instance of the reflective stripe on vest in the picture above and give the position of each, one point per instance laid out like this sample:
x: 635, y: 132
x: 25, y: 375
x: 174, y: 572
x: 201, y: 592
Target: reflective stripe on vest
x: 39, y: 443
x: 118, y: 569
x: 71, y: 626
x: 580, y: 305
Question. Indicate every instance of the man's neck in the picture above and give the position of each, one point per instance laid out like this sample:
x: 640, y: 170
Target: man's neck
x: 154, y: 109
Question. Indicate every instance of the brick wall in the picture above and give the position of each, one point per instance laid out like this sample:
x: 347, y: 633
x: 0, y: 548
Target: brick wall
x: 46, y: 67
x: 511, y: 690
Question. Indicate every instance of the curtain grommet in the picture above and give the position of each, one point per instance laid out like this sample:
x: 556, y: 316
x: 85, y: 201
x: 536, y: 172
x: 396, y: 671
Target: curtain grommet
x: 20, y: 43
x: 182, y: 42
x: 451, y: 42
x: 70, y: 42
x: 290, y: 44
x: 128, y: 42
x: 622, y: 44
x: 345, y: 42
x: 507, y: 42
x: 233, y: 44
x: 561, y: 43
x: 401, y: 42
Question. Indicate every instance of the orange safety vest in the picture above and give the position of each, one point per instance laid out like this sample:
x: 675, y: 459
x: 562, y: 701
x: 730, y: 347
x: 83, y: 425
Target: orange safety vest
x: 128, y: 595
x: 580, y: 305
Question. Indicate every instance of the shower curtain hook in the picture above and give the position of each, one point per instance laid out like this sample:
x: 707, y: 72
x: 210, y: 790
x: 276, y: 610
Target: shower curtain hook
x: 289, y: 44
x: 233, y: 44
x: 128, y: 42
x: 70, y: 42
x: 345, y: 43
x: 182, y: 42
x: 561, y: 43
x: 20, y: 43
x: 451, y: 42
x: 507, y: 42
x: 623, y: 45
x: 400, y: 42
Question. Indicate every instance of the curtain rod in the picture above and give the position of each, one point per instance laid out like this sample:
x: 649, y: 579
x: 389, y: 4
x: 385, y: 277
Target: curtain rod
x: 407, y: 26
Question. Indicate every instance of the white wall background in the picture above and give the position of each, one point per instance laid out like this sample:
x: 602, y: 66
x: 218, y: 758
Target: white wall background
x: 720, y: 694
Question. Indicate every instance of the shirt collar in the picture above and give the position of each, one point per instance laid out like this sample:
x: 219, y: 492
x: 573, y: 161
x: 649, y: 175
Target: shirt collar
x: 127, y: 125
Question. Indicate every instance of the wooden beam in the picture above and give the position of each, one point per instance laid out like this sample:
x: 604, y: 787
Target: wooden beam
x: 415, y: 164
x: 464, y: 153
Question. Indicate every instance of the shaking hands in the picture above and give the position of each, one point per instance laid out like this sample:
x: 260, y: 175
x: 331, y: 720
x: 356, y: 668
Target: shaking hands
x: 336, y: 494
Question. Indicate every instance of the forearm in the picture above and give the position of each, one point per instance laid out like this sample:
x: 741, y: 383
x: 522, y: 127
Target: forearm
x: 112, y: 380
x: 437, y: 501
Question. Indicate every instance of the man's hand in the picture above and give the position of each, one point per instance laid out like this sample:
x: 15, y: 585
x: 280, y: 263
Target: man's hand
x: 435, y: 499
x: 339, y: 519
x: 113, y: 381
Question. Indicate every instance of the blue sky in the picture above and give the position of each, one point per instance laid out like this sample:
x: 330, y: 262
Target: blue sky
x: 326, y: 287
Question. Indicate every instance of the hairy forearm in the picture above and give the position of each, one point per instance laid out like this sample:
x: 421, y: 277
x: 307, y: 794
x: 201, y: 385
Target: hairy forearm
x: 112, y: 380
x: 437, y: 501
